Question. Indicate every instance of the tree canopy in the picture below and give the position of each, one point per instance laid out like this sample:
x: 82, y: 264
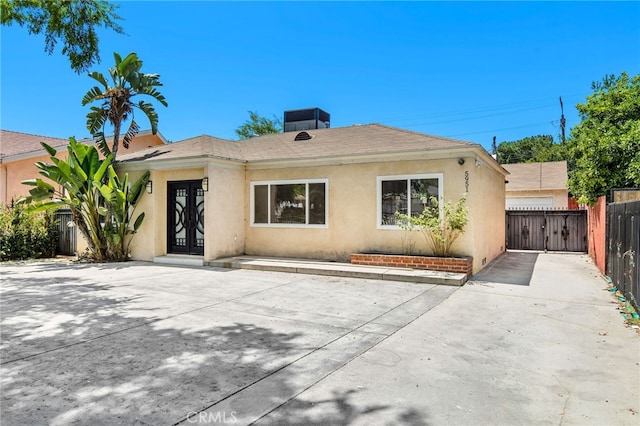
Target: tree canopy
x: 258, y: 126
x: 74, y: 23
x: 605, y: 145
x: 532, y: 149
x: 117, y: 101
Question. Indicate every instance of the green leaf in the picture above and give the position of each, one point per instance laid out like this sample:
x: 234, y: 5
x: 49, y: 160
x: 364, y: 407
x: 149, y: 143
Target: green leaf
x: 118, y: 106
x: 441, y: 224
x: 131, y: 133
x: 138, y: 222
x: 257, y: 126
x: 106, y: 191
x: 102, y: 144
x: 50, y: 150
x: 151, y: 114
x: 94, y: 94
x: 72, y: 24
x: 137, y: 189
x: 92, y: 162
x: 151, y: 91
x: 97, y: 76
x: 104, y: 165
x: 40, y: 193
x: 40, y: 184
x: 96, y: 119
x: 603, y: 147
x: 44, y: 205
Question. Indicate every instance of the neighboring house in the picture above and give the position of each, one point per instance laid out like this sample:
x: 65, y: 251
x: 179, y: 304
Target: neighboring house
x: 541, y: 186
x: 321, y: 193
x: 20, y: 151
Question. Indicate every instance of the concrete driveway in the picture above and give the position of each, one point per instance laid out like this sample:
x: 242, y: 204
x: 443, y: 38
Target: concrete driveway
x: 139, y: 343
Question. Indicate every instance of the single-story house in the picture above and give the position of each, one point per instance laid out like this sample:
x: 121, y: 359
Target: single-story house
x: 540, y: 186
x: 20, y: 151
x: 321, y: 193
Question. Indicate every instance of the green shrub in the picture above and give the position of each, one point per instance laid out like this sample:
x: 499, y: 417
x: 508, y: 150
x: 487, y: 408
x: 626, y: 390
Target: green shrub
x: 26, y: 235
x: 440, y: 223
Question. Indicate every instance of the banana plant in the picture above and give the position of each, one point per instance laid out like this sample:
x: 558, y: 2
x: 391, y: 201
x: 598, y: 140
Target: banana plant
x: 121, y: 200
x: 90, y: 188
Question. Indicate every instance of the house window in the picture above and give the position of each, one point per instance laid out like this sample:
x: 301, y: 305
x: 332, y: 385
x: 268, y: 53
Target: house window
x: 289, y: 203
x: 408, y: 194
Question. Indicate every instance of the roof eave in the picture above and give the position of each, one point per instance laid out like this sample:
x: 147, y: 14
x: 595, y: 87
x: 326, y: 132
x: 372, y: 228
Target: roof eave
x: 401, y: 155
x: 175, y: 163
x: 26, y: 155
x: 89, y: 141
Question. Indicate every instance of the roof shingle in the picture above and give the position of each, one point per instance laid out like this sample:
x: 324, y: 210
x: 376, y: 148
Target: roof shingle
x: 14, y: 143
x: 360, y: 139
x: 531, y: 176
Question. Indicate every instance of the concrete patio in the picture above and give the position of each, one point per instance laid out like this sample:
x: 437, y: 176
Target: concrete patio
x: 141, y: 343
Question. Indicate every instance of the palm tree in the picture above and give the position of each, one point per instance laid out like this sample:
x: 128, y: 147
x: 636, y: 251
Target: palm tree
x: 117, y: 102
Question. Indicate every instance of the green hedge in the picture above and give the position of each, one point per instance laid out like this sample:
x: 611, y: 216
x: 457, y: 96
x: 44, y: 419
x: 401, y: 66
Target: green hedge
x: 26, y: 235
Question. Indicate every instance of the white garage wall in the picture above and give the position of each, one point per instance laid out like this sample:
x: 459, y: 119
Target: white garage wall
x: 516, y: 203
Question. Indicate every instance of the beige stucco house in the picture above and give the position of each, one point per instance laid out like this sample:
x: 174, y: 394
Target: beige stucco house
x: 321, y: 193
x: 537, y: 186
x: 20, y: 151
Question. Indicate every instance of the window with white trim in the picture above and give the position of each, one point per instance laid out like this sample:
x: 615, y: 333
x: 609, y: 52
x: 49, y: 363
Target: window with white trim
x: 406, y: 194
x: 289, y: 203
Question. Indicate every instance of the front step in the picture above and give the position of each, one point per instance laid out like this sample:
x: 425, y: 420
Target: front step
x: 336, y: 269
x: 180, y: 260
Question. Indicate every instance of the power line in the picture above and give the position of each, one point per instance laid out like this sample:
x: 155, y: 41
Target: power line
x: 477, y: 117
x: 493, y: 130
x: 462, y: 115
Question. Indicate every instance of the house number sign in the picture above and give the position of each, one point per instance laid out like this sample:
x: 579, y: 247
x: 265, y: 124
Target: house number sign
x: 466, y: 180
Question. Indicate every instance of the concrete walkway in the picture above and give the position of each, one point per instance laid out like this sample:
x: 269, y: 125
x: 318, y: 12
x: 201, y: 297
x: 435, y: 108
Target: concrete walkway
x: 139, y: 343
x: 554, y: 351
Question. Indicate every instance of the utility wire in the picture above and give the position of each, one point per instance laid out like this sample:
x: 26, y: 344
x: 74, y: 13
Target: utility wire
x: 466, y: 114
x: 494, y: 130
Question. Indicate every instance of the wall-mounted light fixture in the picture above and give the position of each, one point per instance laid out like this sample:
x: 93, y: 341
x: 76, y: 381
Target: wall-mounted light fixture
x: 149, y: 187
x: 461, y: 161
x: 205, y: 184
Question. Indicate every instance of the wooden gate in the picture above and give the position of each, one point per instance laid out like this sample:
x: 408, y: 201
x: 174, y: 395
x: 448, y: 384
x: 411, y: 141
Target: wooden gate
x: 67, y: 240
x: 554, y: 230
x: 623, y: 246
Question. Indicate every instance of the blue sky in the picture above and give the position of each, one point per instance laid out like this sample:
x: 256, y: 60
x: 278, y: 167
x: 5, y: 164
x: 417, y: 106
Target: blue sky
x: 462, y: 70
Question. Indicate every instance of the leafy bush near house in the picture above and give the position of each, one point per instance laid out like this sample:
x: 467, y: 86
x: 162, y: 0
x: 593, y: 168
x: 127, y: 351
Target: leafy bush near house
x: 25, y: 234
x: 102, y: 204
x: 439, y: 230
